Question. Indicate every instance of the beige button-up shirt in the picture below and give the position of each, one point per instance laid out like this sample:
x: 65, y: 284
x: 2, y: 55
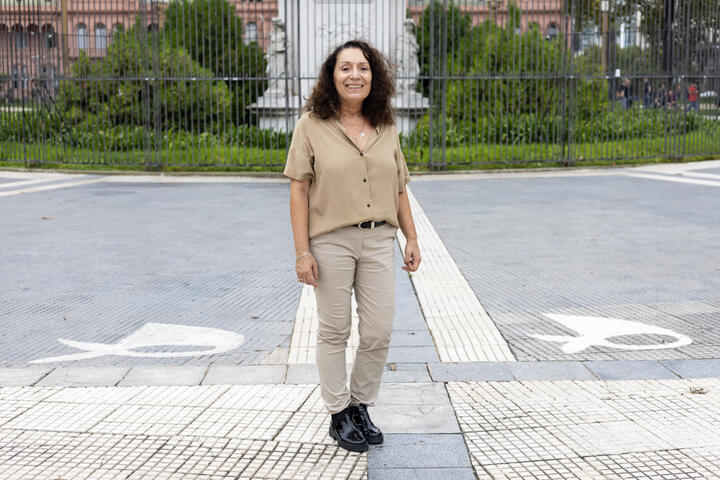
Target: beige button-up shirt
x: 348, y: 185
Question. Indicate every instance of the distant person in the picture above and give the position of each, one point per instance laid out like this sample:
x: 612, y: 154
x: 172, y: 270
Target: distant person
x: 647, y: 94
x: 661, y: 97
x: 625, y: 94
x: 692, y: 95
x: 672, y: 97
x: 620, y: 95
x: 347, y: 200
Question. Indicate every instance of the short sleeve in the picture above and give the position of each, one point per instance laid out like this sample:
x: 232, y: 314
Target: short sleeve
x: 402, y: 169
x: 300, y: 159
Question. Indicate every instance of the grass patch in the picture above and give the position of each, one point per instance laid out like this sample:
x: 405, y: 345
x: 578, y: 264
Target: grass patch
x: 697, y: 145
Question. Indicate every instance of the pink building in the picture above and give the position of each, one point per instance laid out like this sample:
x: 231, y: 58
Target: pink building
x: 31, y: 40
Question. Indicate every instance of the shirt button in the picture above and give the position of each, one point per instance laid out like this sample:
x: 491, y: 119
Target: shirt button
x: 364, y: 179
x: 361, y: 154
x: 368, y: 205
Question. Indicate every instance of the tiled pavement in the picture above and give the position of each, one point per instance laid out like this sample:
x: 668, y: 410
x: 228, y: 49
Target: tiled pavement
x: 195, y: 251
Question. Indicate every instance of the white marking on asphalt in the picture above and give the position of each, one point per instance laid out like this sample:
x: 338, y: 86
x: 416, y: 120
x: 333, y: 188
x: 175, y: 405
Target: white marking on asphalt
x: 670, y: 168
x: 156, y: 335
x: 597, y: 331
x: 677, y: 178
x: 709, y: 176
x: 51, y: 187
x: 460, y: 326
x: 22, y: 183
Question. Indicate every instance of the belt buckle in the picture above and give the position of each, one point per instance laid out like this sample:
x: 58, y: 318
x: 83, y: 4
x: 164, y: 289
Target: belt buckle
x: 372, y: 225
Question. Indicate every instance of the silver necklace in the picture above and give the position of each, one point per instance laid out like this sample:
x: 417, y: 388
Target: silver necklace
x: 362, y: 129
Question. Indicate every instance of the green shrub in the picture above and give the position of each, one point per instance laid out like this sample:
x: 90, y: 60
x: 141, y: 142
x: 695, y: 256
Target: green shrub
x: 181, y: 104
x: 531, y: 128
x: 435, y: 21
x: 212, y: 33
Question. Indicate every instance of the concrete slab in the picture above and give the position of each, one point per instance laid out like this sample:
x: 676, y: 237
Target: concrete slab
x: 414, y: 322
x: 164, y: 375
x: 470, y: 372
x: 244, y: 374
x: 696, y: 368
x: 413, y: 354
x: 306, y: 373
x: 83, y: 376
x: 420, y: 451
x: 421, y: 474
x: 415, y: 418
x: 11, y: 377
x: 548, y: 371
x: 413, y: 394
x: 629, y: 370
x: 411, y: 338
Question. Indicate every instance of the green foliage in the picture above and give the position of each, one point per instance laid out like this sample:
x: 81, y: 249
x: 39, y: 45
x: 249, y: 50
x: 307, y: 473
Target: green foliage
x: 440, y: 33
x: 79, y: 128
x: 528, y: 128
x: 503, y: 60
x: 137, y: 56
x: 213, y: 35
x: 520, y: 75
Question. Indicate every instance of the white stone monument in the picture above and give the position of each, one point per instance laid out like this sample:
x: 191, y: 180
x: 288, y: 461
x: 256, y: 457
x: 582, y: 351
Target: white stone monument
x: 312, y: 29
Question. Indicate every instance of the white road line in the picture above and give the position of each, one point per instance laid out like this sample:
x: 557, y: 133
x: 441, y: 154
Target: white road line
x: 460, y: 326
x: 23, y: 183
x: 676, y: 167
x: 709, y: 176
x: 680, y: 179
x: 53, y: 186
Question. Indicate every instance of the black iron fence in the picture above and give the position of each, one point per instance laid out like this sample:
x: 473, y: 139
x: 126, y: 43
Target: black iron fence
x: 218, y: 84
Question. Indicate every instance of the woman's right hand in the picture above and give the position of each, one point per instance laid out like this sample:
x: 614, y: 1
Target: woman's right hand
x: 307, y: 270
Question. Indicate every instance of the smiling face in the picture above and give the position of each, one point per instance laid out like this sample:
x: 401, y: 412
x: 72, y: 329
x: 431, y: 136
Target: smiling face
x: 352, y: 76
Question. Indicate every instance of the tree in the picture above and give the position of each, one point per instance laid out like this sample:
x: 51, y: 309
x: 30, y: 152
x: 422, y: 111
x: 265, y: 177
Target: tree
x: 441, y: 32
x: 212, y: 33
x: 183, y: 104
x: 517, y: 72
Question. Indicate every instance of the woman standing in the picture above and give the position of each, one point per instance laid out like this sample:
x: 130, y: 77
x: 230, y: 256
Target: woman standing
x: 347, y: 200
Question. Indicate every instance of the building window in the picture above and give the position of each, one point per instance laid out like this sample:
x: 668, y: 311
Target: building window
x: 3, y: 35
x: 251, y: 32
x: 117, y: 28
x: 20, y: 36
x: 50, y: 80
x: 100, y: 37
x: 48, y: 34
x: 32, y: 31
x: 19, y: 74
x: 15, y: 77
x: 82, y: 40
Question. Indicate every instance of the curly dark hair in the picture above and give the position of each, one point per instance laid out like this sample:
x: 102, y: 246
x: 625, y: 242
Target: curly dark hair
x: 376, y: 108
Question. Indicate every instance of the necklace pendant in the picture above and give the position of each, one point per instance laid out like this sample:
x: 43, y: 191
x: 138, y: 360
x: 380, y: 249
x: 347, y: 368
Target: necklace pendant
x: 362, y: 134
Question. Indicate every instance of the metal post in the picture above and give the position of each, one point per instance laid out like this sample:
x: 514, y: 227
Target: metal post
x: 604, y: 8
x: 65, y: 34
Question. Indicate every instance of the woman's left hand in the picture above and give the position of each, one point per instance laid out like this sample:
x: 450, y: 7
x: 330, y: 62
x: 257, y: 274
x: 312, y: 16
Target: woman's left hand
x: 412, y: 256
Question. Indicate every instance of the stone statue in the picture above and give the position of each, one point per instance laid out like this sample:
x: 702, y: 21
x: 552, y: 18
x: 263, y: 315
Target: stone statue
x: 276, y: 59
x: 406, y: 55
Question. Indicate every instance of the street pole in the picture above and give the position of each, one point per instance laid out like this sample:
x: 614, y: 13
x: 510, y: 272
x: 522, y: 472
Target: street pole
x: 65, y: 35
x: 604, y: 7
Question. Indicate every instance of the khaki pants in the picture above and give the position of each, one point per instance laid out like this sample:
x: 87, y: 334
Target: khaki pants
x: 364, y: 260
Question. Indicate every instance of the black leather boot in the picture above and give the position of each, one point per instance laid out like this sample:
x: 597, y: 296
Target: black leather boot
x: 343, y: 430
x: 361, y: 418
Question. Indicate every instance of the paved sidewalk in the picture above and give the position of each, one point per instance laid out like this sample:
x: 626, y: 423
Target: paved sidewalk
x: 564, y: 326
